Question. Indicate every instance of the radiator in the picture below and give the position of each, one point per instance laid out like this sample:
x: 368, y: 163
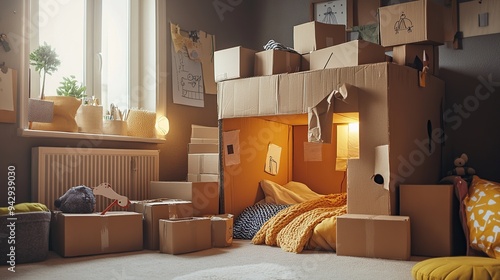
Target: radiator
x: 55, y: 170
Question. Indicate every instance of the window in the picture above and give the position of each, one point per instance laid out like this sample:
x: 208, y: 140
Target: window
x: 107, y: 45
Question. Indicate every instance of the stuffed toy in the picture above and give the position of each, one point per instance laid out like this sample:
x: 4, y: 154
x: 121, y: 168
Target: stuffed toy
x: 79, y: 199
x: 460, y: 168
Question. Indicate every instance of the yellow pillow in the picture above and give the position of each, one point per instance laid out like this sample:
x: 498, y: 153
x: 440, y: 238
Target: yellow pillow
x: 290, y: 193
x: 482, y: 208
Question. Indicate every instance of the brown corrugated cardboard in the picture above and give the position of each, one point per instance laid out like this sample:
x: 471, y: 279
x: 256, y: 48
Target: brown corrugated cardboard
x: 222, y: 230
x: 393, y: 111
x: 365, y: 12
x: 207, y: 163
x: 435, y: 225
x: 203, y: 177
x: 405, y: 55
x: 305, y: 62
x: 351, y: 53
x: 272, y: 62
x: 411, y: 22
x: 184, y: 236
x: 233, y: 63
x: 204, y: 196
x: 204, y: 132
x: 374, y: 236
x: 90, y: 234
x: 315, y: 35
x: 154, y: 210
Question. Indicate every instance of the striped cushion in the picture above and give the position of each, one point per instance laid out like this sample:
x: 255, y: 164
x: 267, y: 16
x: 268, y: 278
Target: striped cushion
x: 252, y: 218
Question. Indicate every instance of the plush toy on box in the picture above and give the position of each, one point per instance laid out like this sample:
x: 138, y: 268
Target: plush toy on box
x: 461, y: 169
x: 79, y: 199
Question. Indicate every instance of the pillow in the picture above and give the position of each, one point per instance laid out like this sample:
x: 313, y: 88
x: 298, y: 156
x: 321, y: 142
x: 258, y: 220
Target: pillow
x: 25, y: 207
x: 482, y: 207
x: 252, y: 218
x: 290, y: 193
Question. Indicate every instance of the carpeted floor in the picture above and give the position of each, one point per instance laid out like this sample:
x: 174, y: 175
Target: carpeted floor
x: 242, y: 260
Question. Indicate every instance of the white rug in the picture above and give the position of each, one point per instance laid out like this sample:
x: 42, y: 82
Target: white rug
x: 243, y: 272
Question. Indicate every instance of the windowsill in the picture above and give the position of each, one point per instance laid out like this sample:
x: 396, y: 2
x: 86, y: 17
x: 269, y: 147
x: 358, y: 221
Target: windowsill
x: 75, y: 135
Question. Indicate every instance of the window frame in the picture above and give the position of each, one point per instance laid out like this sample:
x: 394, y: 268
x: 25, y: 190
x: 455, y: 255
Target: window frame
x: 158, y: 58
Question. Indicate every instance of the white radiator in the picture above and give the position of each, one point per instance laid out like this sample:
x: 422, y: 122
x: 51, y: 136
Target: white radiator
x: 55, y: 170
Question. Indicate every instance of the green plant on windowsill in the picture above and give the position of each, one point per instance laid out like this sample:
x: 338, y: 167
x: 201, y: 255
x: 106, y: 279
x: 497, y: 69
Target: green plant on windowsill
x: 46, y: 61
x: 71, y: 87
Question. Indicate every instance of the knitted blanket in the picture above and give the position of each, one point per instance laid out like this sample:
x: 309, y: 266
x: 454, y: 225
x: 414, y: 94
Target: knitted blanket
x: 291, y: 228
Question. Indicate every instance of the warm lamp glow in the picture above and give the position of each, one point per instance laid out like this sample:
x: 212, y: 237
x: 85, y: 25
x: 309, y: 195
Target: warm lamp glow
x: 347, y: 144
x: 162, y: 125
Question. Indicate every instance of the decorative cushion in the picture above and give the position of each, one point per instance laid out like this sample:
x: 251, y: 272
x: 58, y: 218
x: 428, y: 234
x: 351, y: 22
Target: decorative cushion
x: 482, y: 207
x: 252, y: 218
x: 457, y: 268
x: 290, y: 193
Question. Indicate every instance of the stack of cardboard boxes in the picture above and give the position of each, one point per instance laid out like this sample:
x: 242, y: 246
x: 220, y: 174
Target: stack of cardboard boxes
x: 203, y: 154
x: 399, y: 122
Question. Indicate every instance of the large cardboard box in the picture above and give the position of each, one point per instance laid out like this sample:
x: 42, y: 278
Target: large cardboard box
x: 154, y: 210
x: 90, y: 234
x: 411, y: 22
x: 233, y: 63
x: 270, y: 62
x: 184, y: 236
x: 435, y: 224
x: 366, y: 12
x: 406, y: 54
x: 395, y: 117
x: 347, y: 54
x: 374, y: 236
x: 204, y: 196
x: 314, y: 35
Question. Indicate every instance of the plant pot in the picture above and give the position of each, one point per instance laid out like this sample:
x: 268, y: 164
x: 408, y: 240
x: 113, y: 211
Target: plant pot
x: 65, y: 108
x: 89, y: 119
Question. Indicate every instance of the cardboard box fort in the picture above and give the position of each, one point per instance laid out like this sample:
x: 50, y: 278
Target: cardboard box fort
x: 351, y: 53
x: 399, y: 134
x: 186, y: 235
x: 154, y: 210
x: 374, y: 236
x: 204, y: 196
x: 90, y: 234
x: 411, y: 22
x: 271, y: 62
x: 435, y: 224
x: 315, y: 35
x: 406, y: 55
x: 233, y: 63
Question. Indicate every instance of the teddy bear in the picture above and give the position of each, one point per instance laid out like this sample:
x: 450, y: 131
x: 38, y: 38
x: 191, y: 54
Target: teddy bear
x: 79, y: 199
x: 460, y: 169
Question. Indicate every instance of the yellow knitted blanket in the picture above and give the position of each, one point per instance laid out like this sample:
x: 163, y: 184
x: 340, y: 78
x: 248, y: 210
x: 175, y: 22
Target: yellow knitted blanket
x: 291, y: 228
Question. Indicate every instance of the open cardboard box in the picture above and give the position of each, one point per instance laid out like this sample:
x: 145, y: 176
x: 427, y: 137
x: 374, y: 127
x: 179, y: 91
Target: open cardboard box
x: 394, y: 114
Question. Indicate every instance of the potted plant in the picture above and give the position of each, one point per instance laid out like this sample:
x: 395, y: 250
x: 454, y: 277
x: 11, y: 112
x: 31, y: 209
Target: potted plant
x: 46, y: 61
x: 71, y: 87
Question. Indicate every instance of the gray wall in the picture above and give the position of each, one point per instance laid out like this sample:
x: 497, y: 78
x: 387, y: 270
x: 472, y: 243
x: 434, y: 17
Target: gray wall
x: 475, y: 131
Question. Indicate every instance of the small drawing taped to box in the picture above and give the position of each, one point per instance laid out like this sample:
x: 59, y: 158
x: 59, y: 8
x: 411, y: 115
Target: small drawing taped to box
x: 403, y: 24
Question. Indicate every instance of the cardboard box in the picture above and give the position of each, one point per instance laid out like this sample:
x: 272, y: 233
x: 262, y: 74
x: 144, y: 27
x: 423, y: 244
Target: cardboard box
x: 272, y: 62
x: 435, y: 224
x: 203, y: 177
x: 91, y: 234
x: 311, y: 36
x: 204, y: 132
x: 347, y: 54
x: 374, y: 236
x: 184, y: 236
x: 207, y: 163
x: 305, y: 62
x: 366, y: 12
x: 233, y: 63
x: 392, y: 110
x: 405, y: 55
x: 333, y: 12
x: 222, y: 230
x: 411, y: 22
x: 154, y: 210
x: 204, y: 196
